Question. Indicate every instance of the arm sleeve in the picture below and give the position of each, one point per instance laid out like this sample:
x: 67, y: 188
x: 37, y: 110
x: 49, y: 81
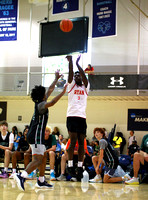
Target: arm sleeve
x: 102, y: 144
x: 11, y: 138
x: 54, y: 142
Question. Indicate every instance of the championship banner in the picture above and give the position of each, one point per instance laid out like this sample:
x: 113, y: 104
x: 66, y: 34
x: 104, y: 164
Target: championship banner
x: 8, y: 20
x: 137, y: 119
x: 104, y: 18
x: 61, y: 6
x: 3, y: 111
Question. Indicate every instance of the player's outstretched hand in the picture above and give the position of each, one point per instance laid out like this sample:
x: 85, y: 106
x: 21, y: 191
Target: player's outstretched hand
x: 69, y: 58
x: 77, y: 61
x: 57, y: 74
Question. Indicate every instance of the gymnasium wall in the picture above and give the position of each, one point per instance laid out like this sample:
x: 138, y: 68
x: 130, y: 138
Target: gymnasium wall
x: 117, y: 54
x: 101, y: 112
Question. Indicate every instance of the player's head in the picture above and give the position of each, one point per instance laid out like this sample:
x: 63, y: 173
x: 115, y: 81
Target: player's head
x: 78, y: 78
x: 38, y: 93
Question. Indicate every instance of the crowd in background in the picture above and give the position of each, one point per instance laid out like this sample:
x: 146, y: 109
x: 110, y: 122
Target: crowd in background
x: 14, y: 147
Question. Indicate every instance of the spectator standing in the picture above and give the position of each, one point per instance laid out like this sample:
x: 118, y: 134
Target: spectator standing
x: 131, y: 138
x: 89, y: 69
x: 117, y: 140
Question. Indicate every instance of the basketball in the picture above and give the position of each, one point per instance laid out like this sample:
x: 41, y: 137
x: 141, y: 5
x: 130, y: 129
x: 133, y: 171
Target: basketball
x: 66, y: 25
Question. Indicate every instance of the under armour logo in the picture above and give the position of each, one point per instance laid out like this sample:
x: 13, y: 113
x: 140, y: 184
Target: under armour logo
x: 113, y: 80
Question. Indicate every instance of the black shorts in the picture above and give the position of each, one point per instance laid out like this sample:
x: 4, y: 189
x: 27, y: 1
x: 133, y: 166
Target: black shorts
x: 110, y: 172
x: 76, y: 125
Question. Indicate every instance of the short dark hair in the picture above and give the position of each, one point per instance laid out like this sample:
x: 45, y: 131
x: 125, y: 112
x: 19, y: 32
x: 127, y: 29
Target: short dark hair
x: 38, y: 93
x: 77, y: 72
x: 3, y: 123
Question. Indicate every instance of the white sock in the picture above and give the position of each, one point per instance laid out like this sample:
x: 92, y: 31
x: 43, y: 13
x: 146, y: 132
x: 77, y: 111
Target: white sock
x: 24, y: 174
x: 41, y: 179
x: 52, y: 170
x: 13, y: 170
x: 5, y: 169
x: 70, y: 163
x: 80, y: 163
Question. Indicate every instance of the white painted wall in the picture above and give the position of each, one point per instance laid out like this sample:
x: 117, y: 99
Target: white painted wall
x: 120, y: 50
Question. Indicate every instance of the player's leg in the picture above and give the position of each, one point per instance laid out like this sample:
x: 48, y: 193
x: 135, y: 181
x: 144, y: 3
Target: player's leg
x: 73, y: 138
x: 41, y: 182
x: 80, y: 156
x: 37, y: 157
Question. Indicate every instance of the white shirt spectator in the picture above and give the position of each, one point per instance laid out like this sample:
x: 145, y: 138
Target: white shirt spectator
x: 11, y: 138
x: 131, y: 139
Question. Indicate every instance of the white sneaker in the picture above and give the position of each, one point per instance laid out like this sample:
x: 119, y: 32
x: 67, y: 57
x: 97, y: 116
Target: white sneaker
x: 127, y: 177
x: 133, y: 181
x: 62, y: 177
x: 12, y: 175
x: 73, y: 179
x: 96, y: 179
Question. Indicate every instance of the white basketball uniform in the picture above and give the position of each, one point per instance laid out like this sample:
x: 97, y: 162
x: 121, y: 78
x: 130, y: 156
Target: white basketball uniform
x: 77, y: 100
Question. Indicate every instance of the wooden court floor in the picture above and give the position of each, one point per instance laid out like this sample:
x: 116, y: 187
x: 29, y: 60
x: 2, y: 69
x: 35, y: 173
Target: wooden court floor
x: 72, y: 191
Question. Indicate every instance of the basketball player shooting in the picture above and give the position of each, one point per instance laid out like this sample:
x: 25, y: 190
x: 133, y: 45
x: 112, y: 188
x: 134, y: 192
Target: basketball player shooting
x: 78, y: 89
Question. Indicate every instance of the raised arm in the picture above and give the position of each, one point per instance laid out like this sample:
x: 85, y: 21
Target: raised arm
x: 70, y: 74
x: 55, y: 99
x: 84, y: 78
x: 52, y: 86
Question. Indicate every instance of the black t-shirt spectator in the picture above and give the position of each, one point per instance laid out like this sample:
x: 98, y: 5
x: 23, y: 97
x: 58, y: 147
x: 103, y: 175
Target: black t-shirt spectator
x: 23, y: 144
x: 133, y: 148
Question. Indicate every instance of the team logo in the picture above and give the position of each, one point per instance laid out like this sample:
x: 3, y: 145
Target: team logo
x: 133, y: 115
x: 117, y: 82
x: 104, y: 26
x: 120, y: 81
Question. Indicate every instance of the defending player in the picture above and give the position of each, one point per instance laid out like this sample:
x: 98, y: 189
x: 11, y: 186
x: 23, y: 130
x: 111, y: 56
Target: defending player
x: 36, y: 133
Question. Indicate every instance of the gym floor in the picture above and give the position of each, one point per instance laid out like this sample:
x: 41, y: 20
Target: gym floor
x: 72, y: 190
